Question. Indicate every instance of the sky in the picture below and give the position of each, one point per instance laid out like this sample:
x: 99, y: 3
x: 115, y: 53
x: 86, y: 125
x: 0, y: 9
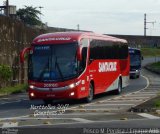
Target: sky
x: 100, y: 16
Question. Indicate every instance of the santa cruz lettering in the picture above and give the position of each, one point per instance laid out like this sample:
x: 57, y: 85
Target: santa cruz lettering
x: 107, y: 66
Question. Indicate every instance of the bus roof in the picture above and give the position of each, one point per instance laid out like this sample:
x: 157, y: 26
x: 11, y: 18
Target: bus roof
x: 60, y: 37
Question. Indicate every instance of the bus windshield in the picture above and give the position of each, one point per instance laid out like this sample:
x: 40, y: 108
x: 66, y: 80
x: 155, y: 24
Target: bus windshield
x: 53, y: 62
x: 135, y: 59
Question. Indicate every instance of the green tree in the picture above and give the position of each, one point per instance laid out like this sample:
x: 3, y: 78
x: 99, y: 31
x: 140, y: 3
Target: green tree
x: 30, y: 15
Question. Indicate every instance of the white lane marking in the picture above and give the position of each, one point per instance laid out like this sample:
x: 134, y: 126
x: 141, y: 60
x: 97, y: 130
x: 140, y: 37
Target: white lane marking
x: 144, y: 94
x: 1, y: 112
x: 82, y: 120
x: 16, y: 117
x: 110, y: 121
x: 134, y: 97
x: 25, y: 99
x: 147, y: 82
x: 25, y: 95
x: 130, y: 101
x: 149, y: 92
x: 142, y: 88
x: 26, y: 117
x: 4, y: 102
x: 108, y: 109
x: 96, y: 105
x: 149, y: 116
x: 9, y: 102
x: 41, y: 118
x: 81, y: 113
x: 9, y: 124
x: 5, y: 98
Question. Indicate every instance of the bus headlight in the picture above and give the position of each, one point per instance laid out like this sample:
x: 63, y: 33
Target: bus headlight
x: 31, y: 87
x: 74, y: 84
x: 32, y: 94
x: 72, y: 94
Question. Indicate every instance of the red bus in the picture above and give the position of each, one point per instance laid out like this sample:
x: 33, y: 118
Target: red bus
x: 75, y: 65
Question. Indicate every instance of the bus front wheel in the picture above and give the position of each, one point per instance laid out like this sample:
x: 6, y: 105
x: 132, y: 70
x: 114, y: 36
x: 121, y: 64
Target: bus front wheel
x: 91, y: 94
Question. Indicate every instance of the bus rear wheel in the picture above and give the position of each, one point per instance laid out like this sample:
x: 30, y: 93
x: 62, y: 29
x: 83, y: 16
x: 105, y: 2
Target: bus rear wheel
x: 119, y: 89
x: 91, y: 94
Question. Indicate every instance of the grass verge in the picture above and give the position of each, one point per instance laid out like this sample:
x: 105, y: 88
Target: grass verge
x: 155, y: 65
x: 150, y: 52
x: 14, y: 89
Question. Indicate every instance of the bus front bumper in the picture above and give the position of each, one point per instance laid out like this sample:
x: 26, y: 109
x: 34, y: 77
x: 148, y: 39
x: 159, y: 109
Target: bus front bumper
x: 134, y: 73
x: 64, y: 94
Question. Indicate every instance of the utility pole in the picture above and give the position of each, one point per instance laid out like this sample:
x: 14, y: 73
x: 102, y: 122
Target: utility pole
x: 145, y: 28
x: 7, y: 8
x: 78, y: 27
x: 145, y: 24
x: 40, y: 7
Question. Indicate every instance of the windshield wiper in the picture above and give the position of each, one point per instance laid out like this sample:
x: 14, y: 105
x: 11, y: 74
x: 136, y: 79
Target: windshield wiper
x: 59, y: 70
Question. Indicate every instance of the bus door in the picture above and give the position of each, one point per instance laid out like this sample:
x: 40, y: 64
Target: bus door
x: 83, y: 69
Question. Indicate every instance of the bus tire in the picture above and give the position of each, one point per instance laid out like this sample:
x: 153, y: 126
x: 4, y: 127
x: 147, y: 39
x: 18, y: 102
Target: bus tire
x: 138, y: 76
x: 91, y: 94
x: 47, y: 101
x: 119, y: 89
x: 135, y: 76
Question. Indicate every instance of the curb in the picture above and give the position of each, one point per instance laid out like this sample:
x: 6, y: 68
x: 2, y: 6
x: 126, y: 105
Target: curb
x: 158, y: 112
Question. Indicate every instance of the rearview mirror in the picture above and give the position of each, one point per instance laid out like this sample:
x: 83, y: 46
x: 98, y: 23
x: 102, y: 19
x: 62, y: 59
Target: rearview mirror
x: 142, y: 58
x: 23, y: 52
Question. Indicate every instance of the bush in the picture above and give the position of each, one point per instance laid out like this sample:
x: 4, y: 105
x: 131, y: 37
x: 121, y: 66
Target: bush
x: 19, y: 88
x: 5, y: 74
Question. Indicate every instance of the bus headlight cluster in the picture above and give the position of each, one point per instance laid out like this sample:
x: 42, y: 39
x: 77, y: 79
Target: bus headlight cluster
x: 31, y: 87
x: 72, y: 94
x: 74, y: 84
x: 32, y: 94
